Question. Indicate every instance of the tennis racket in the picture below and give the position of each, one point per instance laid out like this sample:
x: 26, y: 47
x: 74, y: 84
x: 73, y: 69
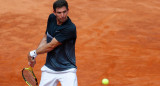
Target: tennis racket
x: 29, y: 77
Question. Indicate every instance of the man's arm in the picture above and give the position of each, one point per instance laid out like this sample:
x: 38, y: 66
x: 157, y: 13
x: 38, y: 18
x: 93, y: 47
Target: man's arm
x: 32, y: 61
x: 47, y: 47
x: 43, y: 47
x: 43, y: 41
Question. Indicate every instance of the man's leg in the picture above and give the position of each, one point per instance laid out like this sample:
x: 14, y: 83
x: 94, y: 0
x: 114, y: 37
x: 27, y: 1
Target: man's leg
x: 47, y: 78
x: 69, y: 79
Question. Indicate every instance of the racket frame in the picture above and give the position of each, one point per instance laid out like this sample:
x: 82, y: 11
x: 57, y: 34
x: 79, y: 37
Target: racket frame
x: 30, y: 69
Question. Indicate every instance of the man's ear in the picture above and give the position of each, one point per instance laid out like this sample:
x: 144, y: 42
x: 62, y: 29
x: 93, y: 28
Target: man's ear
x: 54, y: 12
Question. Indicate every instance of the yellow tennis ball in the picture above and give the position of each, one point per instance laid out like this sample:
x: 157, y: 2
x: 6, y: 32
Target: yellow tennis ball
x: 105, y: 81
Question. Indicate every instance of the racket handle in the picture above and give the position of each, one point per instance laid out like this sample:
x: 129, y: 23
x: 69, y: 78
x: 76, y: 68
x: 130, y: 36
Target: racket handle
x: 30, y: 68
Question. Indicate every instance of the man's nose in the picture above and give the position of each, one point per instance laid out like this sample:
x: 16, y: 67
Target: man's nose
x: 62, y: 14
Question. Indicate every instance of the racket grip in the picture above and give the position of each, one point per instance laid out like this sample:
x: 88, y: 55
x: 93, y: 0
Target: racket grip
x: 30, y: 68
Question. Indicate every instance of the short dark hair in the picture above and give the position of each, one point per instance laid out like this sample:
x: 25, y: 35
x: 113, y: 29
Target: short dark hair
x: 59, y: 4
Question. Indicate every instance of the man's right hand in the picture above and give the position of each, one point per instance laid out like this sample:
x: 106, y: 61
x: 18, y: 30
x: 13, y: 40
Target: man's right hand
x: 31, y: 60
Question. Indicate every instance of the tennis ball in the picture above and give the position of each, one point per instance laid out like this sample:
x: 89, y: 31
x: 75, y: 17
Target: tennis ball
x: 105, y: 81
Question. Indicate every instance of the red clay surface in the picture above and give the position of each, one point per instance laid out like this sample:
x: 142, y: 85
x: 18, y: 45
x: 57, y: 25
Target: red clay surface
x: 117, y: 39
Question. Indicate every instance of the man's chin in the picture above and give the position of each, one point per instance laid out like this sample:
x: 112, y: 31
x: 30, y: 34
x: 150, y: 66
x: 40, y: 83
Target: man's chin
x: 62, y: 21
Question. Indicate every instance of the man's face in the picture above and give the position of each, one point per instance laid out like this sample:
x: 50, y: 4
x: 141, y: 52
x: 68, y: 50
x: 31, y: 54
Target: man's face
x: 61, y: 14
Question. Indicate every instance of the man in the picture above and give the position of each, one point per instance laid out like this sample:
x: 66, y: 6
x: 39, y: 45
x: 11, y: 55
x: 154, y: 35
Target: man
x: 59, y: 44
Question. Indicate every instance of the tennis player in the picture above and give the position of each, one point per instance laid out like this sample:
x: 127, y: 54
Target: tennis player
x: 59, y: 44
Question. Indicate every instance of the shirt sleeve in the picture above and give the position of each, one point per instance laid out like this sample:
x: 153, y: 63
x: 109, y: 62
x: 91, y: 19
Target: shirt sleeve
x: 66, y: 34
x: 50, y: 19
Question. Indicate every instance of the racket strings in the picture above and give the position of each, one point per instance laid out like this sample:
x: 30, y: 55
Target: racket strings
x: 29, y: 77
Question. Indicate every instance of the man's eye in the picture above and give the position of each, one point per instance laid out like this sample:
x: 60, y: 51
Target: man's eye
x: 64, y: 11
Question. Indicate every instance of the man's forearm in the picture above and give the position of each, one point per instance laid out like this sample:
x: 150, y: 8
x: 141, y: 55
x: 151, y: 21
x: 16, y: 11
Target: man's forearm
x: 47, y: 47
x: 44, y: 49
x: 43, y: 42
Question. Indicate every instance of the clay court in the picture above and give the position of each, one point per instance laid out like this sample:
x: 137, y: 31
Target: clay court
x: 116, y: 39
